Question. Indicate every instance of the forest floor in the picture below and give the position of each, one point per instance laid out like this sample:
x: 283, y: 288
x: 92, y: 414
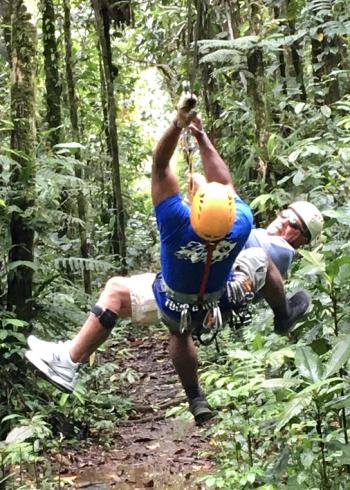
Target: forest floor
x: 149, y: 449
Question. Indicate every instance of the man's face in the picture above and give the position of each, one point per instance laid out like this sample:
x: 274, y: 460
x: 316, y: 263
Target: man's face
x: 288, y: 226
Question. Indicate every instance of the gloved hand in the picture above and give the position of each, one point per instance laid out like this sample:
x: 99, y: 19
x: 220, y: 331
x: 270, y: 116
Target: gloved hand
x: 186, y: 109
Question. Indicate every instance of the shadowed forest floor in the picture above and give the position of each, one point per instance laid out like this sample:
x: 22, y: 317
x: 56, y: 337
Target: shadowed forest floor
x: 148, y: 450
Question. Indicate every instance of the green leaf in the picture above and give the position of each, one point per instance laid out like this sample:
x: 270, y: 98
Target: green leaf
x: 341, y: 402
x: 326, y: 111
x: 22, y: 263
x: 299, y: 176
x: 299, y: 107
x: 308, y: 364
x: 339, y: 267
x: 71, y: 146
x: 15, y: 322
x: 260, y: 202
x: 293, y: 408
x: 339, y: 355
x: 272, y: 145
x: 315, y: 259
x: 63, y: 399
x: 19, y: 434
x: 278, y: 383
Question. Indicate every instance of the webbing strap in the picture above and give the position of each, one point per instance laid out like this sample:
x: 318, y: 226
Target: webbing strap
x: 210, y: 246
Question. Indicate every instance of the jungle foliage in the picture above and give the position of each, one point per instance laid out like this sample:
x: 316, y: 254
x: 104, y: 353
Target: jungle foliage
x: 84, y: 89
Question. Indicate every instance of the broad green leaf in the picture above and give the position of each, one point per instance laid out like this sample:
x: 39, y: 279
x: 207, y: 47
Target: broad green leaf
x: 314, y: 258
x: 63, y: 399
x: 22, y: 263
x: 334, y: 267
x: 239, y: 354
x: 345, y: 457
x: 260, y: 202
x: 278, y: 383
x: 326, y: 111
x: 338, y: 403
x: 71, y: 146
x: 299, y: 107
x: 19, y: 434
x: 14, y: 321
x: 293, y: 408
x: 339, y: 355
x: 308, y: 364
x: 299, y: 176
x: 272, y: 145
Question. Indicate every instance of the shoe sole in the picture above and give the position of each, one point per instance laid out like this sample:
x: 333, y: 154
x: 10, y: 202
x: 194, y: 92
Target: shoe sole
x: 201, y: 418
x: 42, y: 369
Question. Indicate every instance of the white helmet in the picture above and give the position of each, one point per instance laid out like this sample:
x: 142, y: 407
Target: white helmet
x: 310, y: 215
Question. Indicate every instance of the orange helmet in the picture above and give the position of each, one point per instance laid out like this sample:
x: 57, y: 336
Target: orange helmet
x: 213, y: 211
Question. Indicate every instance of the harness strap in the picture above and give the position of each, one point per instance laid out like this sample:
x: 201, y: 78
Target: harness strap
x: 210, y: 246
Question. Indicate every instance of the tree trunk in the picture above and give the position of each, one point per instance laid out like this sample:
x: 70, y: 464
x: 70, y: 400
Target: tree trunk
x: 282, y: 62
x: 232, y: 11
x: 256, y: 89
x: 52, y: 79
x: 74, y: 119
x: 118, y: 235
x: 296, y: 60
x: 23, y: 143
x: 326, y: 55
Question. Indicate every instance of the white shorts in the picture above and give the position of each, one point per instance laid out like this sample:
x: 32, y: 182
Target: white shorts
x: 143, y: 305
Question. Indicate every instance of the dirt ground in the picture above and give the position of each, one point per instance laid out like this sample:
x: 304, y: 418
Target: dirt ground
x: 149, y: 450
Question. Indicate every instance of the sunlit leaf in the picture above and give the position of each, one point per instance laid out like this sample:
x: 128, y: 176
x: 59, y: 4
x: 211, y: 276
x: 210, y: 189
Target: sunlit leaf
x: 339, y: 355
x: 308, y: 364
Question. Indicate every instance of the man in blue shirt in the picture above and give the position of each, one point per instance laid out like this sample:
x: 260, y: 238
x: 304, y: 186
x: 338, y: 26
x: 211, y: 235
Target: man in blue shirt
x: 197, y: 253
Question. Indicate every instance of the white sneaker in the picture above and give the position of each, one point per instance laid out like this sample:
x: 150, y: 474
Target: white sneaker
x: 53, y: 361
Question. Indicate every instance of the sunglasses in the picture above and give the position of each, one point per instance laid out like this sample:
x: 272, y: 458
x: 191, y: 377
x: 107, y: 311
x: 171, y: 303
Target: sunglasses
x: 293, y: 221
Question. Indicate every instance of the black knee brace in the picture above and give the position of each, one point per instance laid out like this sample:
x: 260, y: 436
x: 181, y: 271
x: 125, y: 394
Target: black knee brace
x: 106, y: 317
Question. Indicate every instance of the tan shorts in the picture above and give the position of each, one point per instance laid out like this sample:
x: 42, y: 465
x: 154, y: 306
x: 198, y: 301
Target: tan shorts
x: 253, y: 262
x: 143, y: 305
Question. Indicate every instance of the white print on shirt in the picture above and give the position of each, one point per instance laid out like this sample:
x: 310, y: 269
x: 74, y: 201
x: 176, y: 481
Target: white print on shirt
x: 197, y: 252
x: 176, y: 306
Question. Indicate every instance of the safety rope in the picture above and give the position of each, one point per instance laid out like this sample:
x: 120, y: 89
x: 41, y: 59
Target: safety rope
x: 212, y: 322
x: 210, y: 246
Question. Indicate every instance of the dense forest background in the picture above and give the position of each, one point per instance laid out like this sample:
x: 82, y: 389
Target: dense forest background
x: 85, y: 89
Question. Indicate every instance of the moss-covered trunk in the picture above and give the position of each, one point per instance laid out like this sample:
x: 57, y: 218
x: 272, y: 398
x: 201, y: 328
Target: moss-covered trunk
x: 23, y: 145
x: 118, y: 234
x: 52, y: 79
x: 74, y: 119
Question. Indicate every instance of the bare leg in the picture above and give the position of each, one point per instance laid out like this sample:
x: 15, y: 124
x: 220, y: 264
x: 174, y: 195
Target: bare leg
x: 286, y: 312
x: 273, y: 290
x: 183, y: 353
x: 115, y: 297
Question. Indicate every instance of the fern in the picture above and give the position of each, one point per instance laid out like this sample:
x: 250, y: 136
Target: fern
x: 240, y: 44
x: 222, y: 56
x: 78, y: 264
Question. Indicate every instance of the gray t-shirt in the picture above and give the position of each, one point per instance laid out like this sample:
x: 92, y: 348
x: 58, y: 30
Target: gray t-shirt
x: 276, y: 247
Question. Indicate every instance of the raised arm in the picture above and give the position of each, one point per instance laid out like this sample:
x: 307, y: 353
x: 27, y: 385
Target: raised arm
x: 214, y: 166
x: 164, y: 181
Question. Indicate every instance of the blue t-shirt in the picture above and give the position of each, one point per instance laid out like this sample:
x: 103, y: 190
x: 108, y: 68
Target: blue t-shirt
x: 280, y: 251
x: 184, y: 254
